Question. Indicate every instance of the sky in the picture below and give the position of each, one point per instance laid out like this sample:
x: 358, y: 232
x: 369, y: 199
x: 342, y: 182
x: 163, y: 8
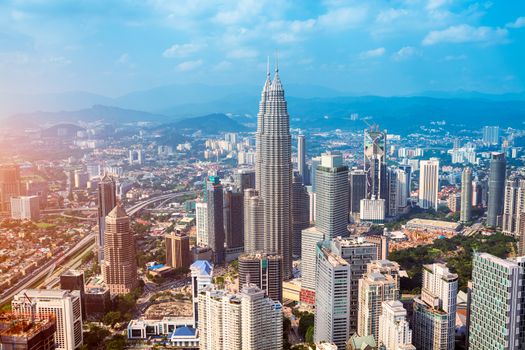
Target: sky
x: 361, y: 47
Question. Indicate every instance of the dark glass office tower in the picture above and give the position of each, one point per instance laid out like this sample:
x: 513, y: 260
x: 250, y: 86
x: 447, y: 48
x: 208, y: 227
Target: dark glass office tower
x: 498, y: 166
x: 216, y: 235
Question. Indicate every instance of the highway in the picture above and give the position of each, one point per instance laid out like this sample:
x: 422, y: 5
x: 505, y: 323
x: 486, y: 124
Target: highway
x: 87, y: 244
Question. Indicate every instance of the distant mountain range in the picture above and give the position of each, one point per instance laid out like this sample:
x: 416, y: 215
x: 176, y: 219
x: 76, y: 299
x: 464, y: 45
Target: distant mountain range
x: 234, y: 108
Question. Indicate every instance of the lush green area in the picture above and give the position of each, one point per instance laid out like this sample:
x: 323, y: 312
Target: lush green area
x: 456, y: 252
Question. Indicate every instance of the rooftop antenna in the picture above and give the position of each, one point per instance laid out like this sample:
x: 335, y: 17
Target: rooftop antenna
x: 276, y: 61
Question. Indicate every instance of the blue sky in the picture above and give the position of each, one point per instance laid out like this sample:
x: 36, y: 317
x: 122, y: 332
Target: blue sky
x: 378, y: 47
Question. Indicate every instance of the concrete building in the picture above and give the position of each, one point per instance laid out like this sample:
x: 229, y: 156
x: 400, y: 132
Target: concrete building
x: 248, y: 320
x: 375, y: 148
x: 392, y: 201
x: 119, y: 266
x: 434, y: 317
x: 201, y: 218
x: 177, y: 249
x: 332, y: 196
x: 394, y: 329
x: 496, y: 313
x: 357, y: 188
x: 300, y: 213
x: 74, y: 280
x: 216, y: 235
x: 310, y: 237
x: 454, y: 202
x: 264, y: 271
x: 63, y: 305
x: 25, y: 208
x: 107, y: 200
x: 233, y: 218
x: 201, y: 277
x: 301, y: 159
x: 253, y: 222
x: 27, y: 333
x: 514, y: 208
x: 403, y: 186
x: 491, y: 135
x: 497, y: 175
x: 10, y: 186
x: 372, y: 210
x: 429, y: 184
x: 466, y: 195
x: 244, y: 179
x: 81, y: 178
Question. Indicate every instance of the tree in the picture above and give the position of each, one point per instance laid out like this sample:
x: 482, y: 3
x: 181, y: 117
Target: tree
x: 112, y: 318
x: 309, y: 338
x: 305, y: 322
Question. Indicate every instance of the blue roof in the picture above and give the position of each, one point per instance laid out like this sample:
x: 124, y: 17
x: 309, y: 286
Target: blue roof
x: 203, y: 265
x: 154, y: 267
x: 184, y: 332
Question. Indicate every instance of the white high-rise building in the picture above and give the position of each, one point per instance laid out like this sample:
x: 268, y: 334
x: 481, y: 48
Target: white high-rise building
x: 248, y: 320
x: 429, y: 184
x: 466, y: 195
x: 310, y: 237
x: 274, y: 171
x: 253, y: 222
x: 394, y: 329
x: 372, y: 210
x: 201, y: 277
x: 201, y: 218
x: 64, y: 305
x: 403, y: 187
x: 332, y: 298
x: 25, y: 208
x: 435, y: 311
x: 380, y: 283
x: 496, y: 313
x: 332, y: 196
x: 301, y: 158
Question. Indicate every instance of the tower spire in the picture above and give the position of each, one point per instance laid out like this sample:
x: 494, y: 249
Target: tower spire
x: 268, y: 66
x: 276, y: 61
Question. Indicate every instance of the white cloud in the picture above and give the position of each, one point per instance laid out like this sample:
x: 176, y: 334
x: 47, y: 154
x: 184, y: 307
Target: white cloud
x: 222, y: 66
x: 189, y: 65
x: 343, y: 18
x: 181, y: 50
x: 380, y: 51
x: 405, y: 53
x: 243, y: 53
x: 390, y: 15
x: 123, y: 59
x: 244, y: 11
x: 455, y: 58
x: 464, y: 34
x: 436, y: 4
x: 518, y: 23
x: 291, y: 31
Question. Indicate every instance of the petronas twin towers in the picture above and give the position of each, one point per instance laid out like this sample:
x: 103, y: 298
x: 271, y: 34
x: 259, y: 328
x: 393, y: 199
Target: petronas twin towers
x: 274, y: 171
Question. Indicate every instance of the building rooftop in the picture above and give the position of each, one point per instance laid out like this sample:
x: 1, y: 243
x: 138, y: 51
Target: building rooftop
x: 203, y: 266
x: 509, y: 264
x: 118, y: 212
x: 435, y: 223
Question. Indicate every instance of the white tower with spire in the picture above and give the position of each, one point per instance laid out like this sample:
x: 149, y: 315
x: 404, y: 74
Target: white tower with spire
x: 274, y: 170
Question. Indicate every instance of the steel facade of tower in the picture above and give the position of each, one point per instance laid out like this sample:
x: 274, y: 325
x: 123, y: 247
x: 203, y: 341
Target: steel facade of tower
x: 274, y: 171
x: 466, y: 195
x: 498, y: 166
x: 375, y: 163
x: 301, y: 158
x: 216, y: 235
x: 107, y: 200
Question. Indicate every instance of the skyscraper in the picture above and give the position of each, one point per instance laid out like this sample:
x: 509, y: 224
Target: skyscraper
x: 310, y: 237
x: 216, y: 234
x: 313, y: 172
x: 74, y: 280
x: 392, y: 192
x: 514, y: 205
x: 498, y: 166
x: 201, y: 277
x: 332, y: 196
x: 301, y: 158
x: 264, y: 271
x: 435, y: 311
x: 496, y: 313
x: 107, y: 200
x: 244, y: 179
x: 403, y: 186
x: 248, y: 320
x: 429, y: 184
x: 119, y: 266
x: 274, y: 171
x: 234, y: 218
x: 22, y: 332
x: 253, y: 222
x: 10, y: 186
x: 65, y: 307
x: 466, y: 195
x: 300, y: 212
x: 201, y: 218
x: 25, y: 208
x: 177, y: 249
x: 375, y: 163
x: 394, y: 329
x: 357, y: 185
x: 491, y: 135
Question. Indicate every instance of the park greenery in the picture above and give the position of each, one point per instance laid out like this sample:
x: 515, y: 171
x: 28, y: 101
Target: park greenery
x: 457, y: 252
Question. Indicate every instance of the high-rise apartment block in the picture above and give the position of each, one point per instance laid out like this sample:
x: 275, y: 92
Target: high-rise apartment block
x: 434, y: 316
x: 253, y: 222
x: 466, y: 195
x: 498, y: 167
x: 394, y: 329
x: 248, y: 320
x: 496, y: 313
x: 216, y: 235
x: 177, y: 249
x: 63, y: 305
x: 120, y: 266
x: 25, y: 208
x: 332, y: 196
x: 274, y: 171
x: 514, y: 210
x: 201, y: 277
x: 429, y: 184
x: 201, y: 222
x: 10, y: 186
x: 107, y: 200
x: 264, y: 271
x: 491, y: 135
